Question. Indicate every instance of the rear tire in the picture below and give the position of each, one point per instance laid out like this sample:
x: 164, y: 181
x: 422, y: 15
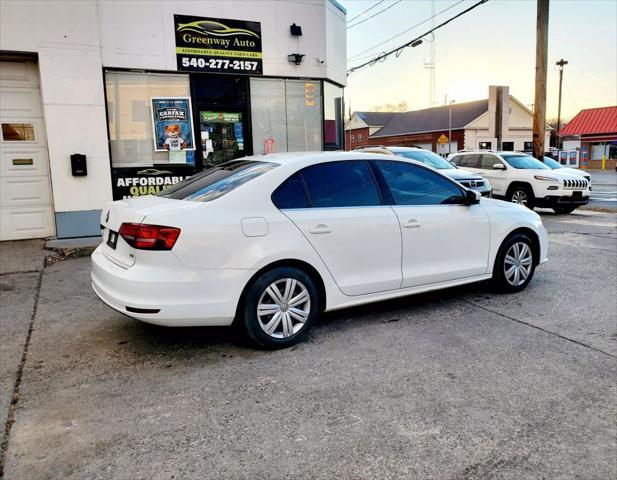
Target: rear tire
x: 515, y: 264
x: 279, y: 308
x: 523, y: 195
x: 564, y: 208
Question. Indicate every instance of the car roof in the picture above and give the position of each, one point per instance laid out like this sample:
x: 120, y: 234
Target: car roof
x: 494, y: 152
x: 291, y: 158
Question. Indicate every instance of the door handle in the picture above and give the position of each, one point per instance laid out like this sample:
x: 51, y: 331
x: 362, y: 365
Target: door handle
x: 320, y: 229
x: 413, y: 223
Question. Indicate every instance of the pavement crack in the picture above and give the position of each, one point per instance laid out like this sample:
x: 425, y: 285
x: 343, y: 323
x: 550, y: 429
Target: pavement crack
x: 10, y: 420
x: 522, y: 322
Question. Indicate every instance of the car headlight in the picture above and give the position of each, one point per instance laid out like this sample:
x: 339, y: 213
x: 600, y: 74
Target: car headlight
x: 544, y: 178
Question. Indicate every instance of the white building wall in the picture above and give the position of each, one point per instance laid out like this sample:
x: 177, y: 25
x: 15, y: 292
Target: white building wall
x: 65, y: 36
x: 133, y: 36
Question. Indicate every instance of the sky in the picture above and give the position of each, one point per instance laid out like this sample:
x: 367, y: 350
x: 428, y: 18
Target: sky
x: 491, y: 45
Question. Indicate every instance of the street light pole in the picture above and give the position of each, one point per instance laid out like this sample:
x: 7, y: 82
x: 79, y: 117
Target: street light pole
x: 561, y: 63
x: 539, y: 112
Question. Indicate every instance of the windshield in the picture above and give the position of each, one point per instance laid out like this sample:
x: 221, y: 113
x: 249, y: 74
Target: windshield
x: 524, y: 162
x: 552, y: 164
x: 216, y: 182
x: 429, y: 158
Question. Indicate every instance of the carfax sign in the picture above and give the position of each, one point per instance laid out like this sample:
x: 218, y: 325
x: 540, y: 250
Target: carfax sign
x: 172, y: 125
x: 218, y: 45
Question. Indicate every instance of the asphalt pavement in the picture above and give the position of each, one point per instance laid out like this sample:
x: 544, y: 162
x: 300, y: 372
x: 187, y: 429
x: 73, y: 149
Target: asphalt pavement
x: 604, y: 189
x: 458, y: 384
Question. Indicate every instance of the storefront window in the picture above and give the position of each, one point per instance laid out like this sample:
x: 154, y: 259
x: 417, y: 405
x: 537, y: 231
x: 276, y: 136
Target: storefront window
x: 333, y: 117
x: 304, y: 127
x: 286, y: 115
x: 269, y: 117
x: 129, y: 97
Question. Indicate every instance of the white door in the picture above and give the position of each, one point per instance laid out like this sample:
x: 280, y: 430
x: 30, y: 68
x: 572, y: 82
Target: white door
x: 498, y: 178
x: 358, y: 238
x: 443, y: 239
x: 25, y: 193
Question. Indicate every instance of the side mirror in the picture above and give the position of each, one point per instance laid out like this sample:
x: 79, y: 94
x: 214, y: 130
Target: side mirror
x: 499, y: 166
x: 472, y: 197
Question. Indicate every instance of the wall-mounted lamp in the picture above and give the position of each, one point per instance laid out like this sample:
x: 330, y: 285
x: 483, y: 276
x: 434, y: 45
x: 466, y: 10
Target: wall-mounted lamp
x: 295, y: 30
x: 295, y: 58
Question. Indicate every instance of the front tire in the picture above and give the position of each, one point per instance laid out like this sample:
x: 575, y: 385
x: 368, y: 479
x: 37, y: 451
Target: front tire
x: 515, y: 264
x: 522, y: 195
x: 279, y: 308
x: 564, y: 208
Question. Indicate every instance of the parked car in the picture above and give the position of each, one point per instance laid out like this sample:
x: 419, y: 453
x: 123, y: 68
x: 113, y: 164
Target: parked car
x: 466, y: 178
x: 555, y: 165
x: 271, y: 241
x: 520, y: 178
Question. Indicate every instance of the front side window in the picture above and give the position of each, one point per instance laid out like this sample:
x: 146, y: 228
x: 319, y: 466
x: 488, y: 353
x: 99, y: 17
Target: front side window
x: 341, y: 184
x: 216, y: 182
x: 489, y: 160
x: 414, y: 185
x: 524, y: 162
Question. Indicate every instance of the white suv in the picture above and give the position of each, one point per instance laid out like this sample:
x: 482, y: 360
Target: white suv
x: 520, y: 178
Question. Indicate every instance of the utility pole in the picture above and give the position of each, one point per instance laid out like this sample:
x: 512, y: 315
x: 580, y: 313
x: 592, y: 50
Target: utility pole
x: 450, y: 127
x: 561, y: 63
x: 539, y: 113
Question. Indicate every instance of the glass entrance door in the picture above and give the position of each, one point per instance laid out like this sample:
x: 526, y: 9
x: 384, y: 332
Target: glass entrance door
x: 222, y: 137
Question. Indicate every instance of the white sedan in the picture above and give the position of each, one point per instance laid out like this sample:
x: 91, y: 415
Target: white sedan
x: 271, y: 241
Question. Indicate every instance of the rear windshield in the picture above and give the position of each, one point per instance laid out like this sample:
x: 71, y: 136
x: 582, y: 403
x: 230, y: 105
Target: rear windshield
x: 216, y: 182
x: 428, y: 158
x: 554, y: 165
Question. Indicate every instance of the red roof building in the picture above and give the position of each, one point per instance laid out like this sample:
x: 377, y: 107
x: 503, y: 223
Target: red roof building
x: 594, y: 132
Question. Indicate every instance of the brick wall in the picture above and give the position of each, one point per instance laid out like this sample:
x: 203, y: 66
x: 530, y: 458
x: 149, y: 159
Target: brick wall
x: 352, y: 138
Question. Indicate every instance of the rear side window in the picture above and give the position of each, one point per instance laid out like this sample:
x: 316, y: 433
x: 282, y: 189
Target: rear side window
x: 489, y: 160
x: 414, y: 185
x: 341, y: 184
x: 216, y: 182
x: 290, y: 194
x: 470, y: 161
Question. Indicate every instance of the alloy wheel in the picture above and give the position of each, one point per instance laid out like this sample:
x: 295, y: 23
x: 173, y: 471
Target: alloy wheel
x: 520, y: 197
x: 517, y: 264
x: 283, y: 308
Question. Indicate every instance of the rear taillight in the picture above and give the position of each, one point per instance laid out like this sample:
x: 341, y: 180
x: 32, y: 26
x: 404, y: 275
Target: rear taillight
x: 149, y: 237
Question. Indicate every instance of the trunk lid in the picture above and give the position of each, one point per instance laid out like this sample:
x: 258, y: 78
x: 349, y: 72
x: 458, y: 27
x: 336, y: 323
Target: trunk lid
x: 131, y: 210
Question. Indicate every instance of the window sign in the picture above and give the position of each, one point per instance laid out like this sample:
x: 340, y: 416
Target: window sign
x: 172, y: 126
x: 137, y: 181
x: 218, y: 45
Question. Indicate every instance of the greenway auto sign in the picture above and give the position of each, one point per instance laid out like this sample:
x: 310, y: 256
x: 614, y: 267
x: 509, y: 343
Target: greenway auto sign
x: 218, y: 45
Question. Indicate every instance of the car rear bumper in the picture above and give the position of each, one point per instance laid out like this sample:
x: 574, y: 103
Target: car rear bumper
x: 180, y: 296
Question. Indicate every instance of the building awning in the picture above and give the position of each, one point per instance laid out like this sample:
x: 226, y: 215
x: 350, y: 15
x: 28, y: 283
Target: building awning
x: 592, y: 121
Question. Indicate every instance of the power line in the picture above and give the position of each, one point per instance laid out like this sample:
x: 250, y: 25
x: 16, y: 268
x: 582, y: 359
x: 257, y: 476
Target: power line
x: 374, y: 15
x: 355, y: 57
x: 368, y: 9
x: 398, y: 50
